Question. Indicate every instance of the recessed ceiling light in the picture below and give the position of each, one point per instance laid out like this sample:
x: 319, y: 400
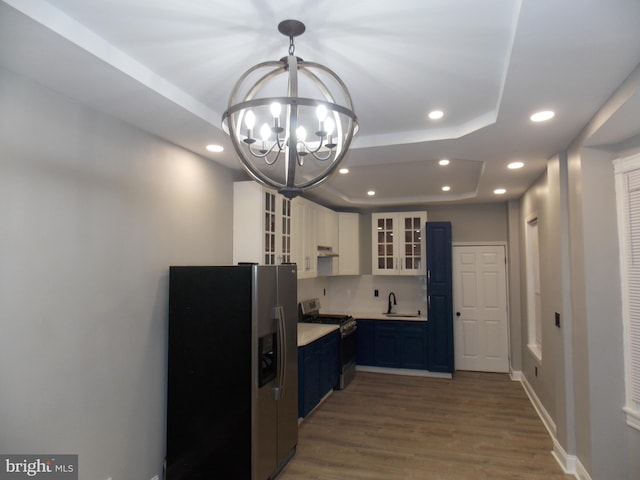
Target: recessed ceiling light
x: 343, y: 170
x: 371, y: 193
x: 444, y: 162
x: 436, y: 114
x: 446, y: 188
x: 215, y: 148
x: 542, y: 116
x: 515, y: 165
x: 499, y: 191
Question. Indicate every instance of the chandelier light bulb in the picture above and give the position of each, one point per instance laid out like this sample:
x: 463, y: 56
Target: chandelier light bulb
x: 321, y: 112
x: 301, y: 134
x: 250, y: 120
x: 276, y: 109
x: 329, y: 126
x: 265, y: 132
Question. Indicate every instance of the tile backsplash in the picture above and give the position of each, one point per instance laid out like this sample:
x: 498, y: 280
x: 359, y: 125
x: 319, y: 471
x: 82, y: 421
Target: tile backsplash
x: 356, y: 293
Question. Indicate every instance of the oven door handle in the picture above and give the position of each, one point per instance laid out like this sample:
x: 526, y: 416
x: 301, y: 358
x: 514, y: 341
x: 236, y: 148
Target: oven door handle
x: 348, y: 331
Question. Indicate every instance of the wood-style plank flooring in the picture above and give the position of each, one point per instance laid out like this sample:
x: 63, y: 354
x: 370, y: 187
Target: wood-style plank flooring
x: 384, y: 427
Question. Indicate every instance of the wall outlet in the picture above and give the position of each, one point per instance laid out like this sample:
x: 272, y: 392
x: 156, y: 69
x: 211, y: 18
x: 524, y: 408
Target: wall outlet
x: 376, y: 293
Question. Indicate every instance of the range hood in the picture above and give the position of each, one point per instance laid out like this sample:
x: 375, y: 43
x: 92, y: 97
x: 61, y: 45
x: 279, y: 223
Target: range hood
x: 325, y: 252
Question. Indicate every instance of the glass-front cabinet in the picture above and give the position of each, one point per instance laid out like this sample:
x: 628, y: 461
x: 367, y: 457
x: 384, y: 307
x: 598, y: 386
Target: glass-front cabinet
x: 262, y: 225
x: 277, y: 229
x: 397, y: 243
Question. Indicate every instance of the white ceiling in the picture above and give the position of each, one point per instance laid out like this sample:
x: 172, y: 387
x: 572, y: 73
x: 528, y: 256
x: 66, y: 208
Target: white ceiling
x: 169, y: 66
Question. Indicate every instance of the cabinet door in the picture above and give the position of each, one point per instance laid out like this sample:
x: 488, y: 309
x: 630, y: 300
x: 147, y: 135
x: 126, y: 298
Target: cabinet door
x: 348, y: 243
x: 383, y: 227
x: 329, y: 376
x: 414, y: 345
x: 364, y: 342
x: 261, y: 225
x: 310, y: 242
x: 439, y: 297
x: 411, y: 245
x: 387, y: 344
x: 304, y: 242
x: 285, y: 231
x: 270, y: 234
x: 397, y: 243
x: 302, y: 382
x: 311, y: 392
x: 277, y: 229
x: 327, y: 227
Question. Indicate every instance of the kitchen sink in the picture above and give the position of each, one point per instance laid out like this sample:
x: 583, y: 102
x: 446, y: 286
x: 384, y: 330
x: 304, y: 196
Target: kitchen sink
x: 401, y: 314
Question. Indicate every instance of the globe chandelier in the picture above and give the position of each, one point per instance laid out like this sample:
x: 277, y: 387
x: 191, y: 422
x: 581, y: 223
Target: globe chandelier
x: 305, y: 117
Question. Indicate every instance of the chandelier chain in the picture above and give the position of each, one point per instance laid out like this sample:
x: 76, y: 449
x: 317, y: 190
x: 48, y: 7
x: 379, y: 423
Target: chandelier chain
x: 292, y: 47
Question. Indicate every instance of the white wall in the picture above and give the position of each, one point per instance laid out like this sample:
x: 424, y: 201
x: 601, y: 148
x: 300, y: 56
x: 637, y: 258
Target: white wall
x: 93, y: 213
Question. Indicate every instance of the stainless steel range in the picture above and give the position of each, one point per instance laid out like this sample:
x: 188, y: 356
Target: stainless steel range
x: 310, y: 313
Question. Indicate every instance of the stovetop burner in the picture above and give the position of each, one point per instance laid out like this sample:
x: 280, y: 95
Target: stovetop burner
x: 327, y: 318
x: 310, y: 313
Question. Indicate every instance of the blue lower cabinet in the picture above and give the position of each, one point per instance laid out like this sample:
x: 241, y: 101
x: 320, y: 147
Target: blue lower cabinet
x: 364, y: 342
x: 392, y: 344
x: 414, y: 345
x: 318, y: 371
x: 386, y: 345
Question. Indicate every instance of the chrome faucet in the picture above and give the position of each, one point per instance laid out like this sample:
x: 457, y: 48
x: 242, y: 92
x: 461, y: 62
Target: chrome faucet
x: 392, y: 308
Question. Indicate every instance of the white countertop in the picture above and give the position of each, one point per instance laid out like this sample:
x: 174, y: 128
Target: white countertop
x: 382, y: 316
x: 310, y: 332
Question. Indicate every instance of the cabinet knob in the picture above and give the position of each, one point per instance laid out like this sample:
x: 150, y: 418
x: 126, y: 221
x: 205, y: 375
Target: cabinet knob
x: 457, y: 314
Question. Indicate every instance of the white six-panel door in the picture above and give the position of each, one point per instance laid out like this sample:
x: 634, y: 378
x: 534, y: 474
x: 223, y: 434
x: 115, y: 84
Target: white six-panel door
x: 481, y: 334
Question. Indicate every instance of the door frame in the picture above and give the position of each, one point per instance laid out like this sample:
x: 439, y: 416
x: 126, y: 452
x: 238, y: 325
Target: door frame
x: 505, y: 245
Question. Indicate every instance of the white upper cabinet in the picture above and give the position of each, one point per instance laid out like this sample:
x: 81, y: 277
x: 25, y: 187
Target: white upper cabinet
x: 398, y: 246
x: 305, y: 244
x: 270, y: 229
x: 348, y: 244
x: 262, y: 225
x: 327, y: 227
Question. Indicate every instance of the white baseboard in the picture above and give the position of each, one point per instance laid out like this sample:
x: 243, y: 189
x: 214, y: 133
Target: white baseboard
x: 537, y: 404
x: 581, y: 472
x: 570, y: 464
x: 402, y: 371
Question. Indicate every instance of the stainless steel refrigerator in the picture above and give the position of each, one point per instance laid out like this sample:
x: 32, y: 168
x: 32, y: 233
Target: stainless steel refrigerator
x: 232, y: 372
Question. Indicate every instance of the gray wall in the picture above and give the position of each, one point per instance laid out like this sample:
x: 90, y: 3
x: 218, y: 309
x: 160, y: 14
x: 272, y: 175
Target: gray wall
x: 93, y: 213
x: 473, y: 223
x: 604, y: 316
x: 541, y: 201
x: 581, y: 377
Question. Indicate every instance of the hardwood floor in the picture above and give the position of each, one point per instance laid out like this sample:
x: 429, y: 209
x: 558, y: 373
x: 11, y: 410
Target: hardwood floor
x: 383, y: 427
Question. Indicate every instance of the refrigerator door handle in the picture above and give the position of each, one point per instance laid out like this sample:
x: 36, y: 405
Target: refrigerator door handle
x: 282, y: 352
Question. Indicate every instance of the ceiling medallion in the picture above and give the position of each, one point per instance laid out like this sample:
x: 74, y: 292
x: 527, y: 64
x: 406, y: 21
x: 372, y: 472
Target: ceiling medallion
x: 306, y: 120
